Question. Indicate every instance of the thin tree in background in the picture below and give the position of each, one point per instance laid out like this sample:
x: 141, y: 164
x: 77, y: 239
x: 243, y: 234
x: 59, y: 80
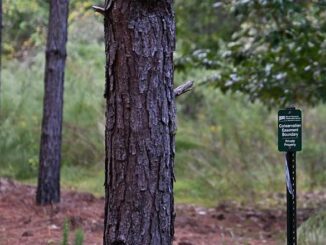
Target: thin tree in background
x: 140, y: 121
x: 48, y: 189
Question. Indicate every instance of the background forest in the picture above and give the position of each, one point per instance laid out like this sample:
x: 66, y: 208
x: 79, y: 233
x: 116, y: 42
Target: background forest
x: 247, y: 58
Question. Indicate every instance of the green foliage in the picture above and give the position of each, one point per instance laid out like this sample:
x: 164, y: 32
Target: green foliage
x: 237, y: 149
x: 314, y: 154
x: 65, y: 234
x: 277, y: 55
x: 22, y: 101
x: 24, y: 24
x: 79, y: 237
x: 227, y: 147
x: 20, y: 119
x: 313, y: 231
x: 200, y: 24
x: 83, y: 178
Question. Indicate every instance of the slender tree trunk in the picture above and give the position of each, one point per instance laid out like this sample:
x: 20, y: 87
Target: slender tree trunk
x: 140, y: 122
x: 48, y: 189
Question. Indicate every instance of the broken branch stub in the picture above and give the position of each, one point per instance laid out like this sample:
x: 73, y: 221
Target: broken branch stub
x: 183, y: 88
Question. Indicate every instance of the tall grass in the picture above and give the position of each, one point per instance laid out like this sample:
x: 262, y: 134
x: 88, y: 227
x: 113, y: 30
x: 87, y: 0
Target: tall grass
x: 22, y: 101
x: 313, y: 231
x: 227, y: 147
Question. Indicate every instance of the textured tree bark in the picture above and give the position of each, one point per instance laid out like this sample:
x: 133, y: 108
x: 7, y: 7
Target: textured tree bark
x: 48, y: 189
x: 140, y: 122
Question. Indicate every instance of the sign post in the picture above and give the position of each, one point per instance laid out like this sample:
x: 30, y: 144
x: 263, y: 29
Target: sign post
x: 290, y: 141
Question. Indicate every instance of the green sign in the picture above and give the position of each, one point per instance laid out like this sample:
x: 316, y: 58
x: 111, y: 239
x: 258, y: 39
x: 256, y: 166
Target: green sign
x: 289, y: 130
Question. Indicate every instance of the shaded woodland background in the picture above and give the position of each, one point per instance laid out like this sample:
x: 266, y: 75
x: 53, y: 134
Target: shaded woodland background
x: 245, y: 68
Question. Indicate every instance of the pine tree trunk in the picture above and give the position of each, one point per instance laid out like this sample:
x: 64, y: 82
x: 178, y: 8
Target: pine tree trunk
x: 140, y: 122
x: 48, y: 189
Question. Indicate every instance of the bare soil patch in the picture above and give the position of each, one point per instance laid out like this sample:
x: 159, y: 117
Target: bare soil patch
x: 22, y: 222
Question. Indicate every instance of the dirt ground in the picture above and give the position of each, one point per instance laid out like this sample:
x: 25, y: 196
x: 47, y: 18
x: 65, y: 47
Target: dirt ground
x: 22, y: 222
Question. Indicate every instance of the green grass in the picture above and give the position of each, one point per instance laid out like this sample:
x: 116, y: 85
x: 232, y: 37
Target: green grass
x: 313, y: 231
x: 65, y: 233
x: 79, y: 234
x: 79, y: 237
x: 82, y: 179
x: 21, y: 109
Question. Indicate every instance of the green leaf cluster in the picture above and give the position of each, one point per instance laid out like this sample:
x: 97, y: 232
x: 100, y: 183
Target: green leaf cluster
x: 25, y: 23
x: 276, y: 54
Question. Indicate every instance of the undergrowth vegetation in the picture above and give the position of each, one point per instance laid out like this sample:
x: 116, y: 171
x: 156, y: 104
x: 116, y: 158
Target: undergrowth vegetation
x: 313, y: 231
x: 226, y: 147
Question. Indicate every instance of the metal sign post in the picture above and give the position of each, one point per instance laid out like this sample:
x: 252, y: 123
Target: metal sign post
x: 291, y: 198
x: 290, y: 141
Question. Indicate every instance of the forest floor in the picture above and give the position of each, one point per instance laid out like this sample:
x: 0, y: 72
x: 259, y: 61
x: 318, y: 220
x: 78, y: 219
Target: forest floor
x: 22, y: 222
